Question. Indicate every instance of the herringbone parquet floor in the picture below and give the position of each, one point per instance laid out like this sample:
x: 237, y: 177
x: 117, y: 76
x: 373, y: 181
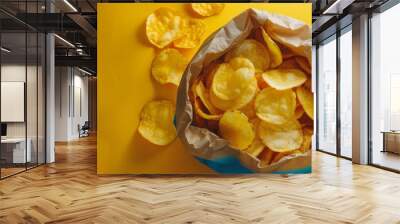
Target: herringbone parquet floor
x: 69, y: 191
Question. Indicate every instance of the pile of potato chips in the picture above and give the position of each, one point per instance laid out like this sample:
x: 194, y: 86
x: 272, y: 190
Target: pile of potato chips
x: 170, y: 31
x: 258, y: 98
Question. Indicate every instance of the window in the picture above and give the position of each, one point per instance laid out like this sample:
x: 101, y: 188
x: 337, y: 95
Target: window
x: 385, y: 89
x: 346, y: 73
x: 327, y: 96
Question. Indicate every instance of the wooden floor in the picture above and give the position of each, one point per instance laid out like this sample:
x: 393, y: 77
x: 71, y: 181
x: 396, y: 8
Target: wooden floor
x: 69, y: 191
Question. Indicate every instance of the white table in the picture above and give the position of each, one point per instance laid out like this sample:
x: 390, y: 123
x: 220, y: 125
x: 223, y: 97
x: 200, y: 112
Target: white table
x: 18, y: 149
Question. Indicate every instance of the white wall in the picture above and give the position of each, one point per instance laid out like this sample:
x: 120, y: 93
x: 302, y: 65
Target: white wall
x: 71, y: 87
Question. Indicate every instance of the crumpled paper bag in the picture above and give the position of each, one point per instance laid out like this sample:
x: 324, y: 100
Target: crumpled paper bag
x: 204, y: 144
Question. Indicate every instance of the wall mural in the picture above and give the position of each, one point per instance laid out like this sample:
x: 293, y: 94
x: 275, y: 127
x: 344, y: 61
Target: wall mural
x: 200, y: 88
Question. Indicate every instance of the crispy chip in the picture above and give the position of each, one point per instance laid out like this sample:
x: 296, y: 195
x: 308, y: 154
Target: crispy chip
x: 298, y: 113
x: 163, y: 26
x: 307, y: 133
x: 255, y: 148
x: 303, y: 63
x: 281, y: 138
x: 307, y: 84
x: 282, y: 79
x: 260, y: 81
x: 168, y: 66
x: 235, y: 127
x: 306, y: 99
x: 242, y: 100
x: 266, y: 156
x: 278, y: 156
x: 202, y: 93
x: 156, y: 122
x: 207, y: 9
x: 252, y: 50
x: 231, y: 79
x: 193, y: 30
x: 249, y: 110
x: 274, y: 50
x: 289, y: 64
x: 199, y: 111
x: 286, y: 52
x: 274, y: 106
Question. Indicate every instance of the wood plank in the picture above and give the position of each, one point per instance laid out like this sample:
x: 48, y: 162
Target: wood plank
x: 70, y: 191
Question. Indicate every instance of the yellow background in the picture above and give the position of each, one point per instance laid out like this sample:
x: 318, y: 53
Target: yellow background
x: 125, y: 85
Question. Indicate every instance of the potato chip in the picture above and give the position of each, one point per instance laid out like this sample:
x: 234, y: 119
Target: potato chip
x: 281, y: 138
x: 266, y: 156
x: 156, y: 122
x: 306, y: 99
x: 242, y: 100
x: 255, y: 148
x: 202, y: 93
x: 235, y: 127
x: 307, y: 133
x: 289, y: 64
x: 275, y: 106
x: 168, y: 66
x: 193, y: 30
x: 274, y: 50
x: 282, y: 79
x: 303, y: 63
x: 286, y: 52
x: 260, y: 81
x: 307, y: 84
x: 249, y: 110
x: 199, y: 111
x: 278, y: 157
x: 252, y: 50
x: 163, y: 26
x: 207, y: 9
x: 231, y: 79
x: 298, y: 113
x: 208, y: 73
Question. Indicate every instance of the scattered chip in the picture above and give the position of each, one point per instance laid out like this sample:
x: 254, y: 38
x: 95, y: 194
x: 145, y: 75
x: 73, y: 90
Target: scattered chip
x: 252, y: 50
x: 282, y: 79
x: 207, y: 9
x: 168, y: 66
x: 306, y: 99
x: 193, y: 30
x: 156, y: 122
x: 274, y: 50
x: 281, y: 138
x: 235, y: 127
x: 231, y: 79
x: 303, y: 63
x: 163, y: 26
x: 275, y: 106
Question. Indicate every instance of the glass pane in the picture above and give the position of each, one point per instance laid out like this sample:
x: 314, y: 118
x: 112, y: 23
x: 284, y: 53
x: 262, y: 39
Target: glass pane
x: 41, y: 98
x: 385, y: 84
x: 31, y: 97
x: 13, y: 89
x: 327, y: 96
x: 346, y: 94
